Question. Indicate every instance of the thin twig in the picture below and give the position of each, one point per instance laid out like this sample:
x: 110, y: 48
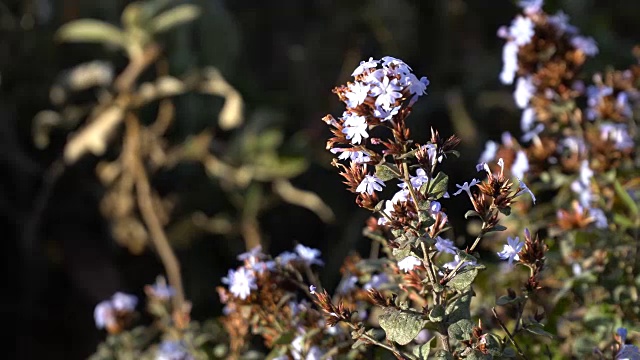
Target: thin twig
x: 504, y: 328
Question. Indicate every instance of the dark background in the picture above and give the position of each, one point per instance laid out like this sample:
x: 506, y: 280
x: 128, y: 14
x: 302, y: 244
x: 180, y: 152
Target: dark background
x: 284, y: 59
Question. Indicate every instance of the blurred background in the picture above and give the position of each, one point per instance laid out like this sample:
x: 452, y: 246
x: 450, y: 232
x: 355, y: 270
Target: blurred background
x: 283, y: 58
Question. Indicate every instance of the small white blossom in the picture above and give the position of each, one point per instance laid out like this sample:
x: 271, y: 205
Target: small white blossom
x: 364, y: 66
x: 355, y: 156
x: 407, y: 264
x: 524, y: 91
x: 489, y: 153
x: 124, y: 302
x: 312, y: 289
x: 240, y: 282
x: 585, y: 44
x: 286, y: 257
x: 599, y: 217
x: 357, y: 94
x: 531, y: 6
x: 104, y: 315
x: 511, y: 249
x: 456, y: 260
x: 370, y: 184
x: 308, y: 255
x: 619, y: 134
x: 347, y: 284
x: 521, y: 30
x: 173, y: 350
x: 256, y: 252
x: 386, y: 92
x: 355, y: 128
x: 509, y: 62
x: 527, y: 118
x: 385, y: 114
x: 522, y: 188
x: 420, y: 178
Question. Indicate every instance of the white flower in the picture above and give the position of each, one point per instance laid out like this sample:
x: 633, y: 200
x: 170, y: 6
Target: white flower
x: 527, y: 119
x: 384, y: 114
x: 511, y: 249
x: 240, y: 282
x: 399, y: 66
x: 286, y: 257
x: 509, y: 62
x: 355, y: 128
x: 357, y: 94
x: 103, y: 314
x: 521, y: 30
x: 415, y: 86
x: 364, y: 66
x: 420, y: 178
x: 124, y: 302
x: 386, y: 92
x: 520, y: 165
x: 445, y: 245
x: 619, y: 134
x: 407, y: 264
x: 561, y: 21
x: 173, y: 350
x: 370, y: 184
x: 489, y: 153
x: 256, y: 252
x: 456, y: 260
x: 355, y: 156
x: 312, y: 289
x: 309, y: 255
x: 524, y: 91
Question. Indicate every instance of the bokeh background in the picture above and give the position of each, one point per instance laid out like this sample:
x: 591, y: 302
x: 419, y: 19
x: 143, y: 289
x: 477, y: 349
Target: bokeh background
x: 283, y: 57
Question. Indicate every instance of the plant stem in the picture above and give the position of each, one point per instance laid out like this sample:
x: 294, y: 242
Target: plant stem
x: 513, y: 341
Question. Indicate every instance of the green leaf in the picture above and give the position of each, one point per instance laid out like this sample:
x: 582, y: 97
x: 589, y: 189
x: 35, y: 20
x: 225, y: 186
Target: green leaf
x: 379, y: 205
x: 91, y: 31
x: 285, y: 338
x: 459, y: 309
x: 443, y: 355
x: 505, y: 299
x: 509, y: 353
x: 496, y: 228
x: 422, y: 351
x: 387, y: 172
x: 463, y: 279
x: 536, y: 328
x: 401, y: 326
x: 461, y: 329
x: 626, y: 198
x: 438, y: 186
x: 179, y: 15
x: 437, y: 314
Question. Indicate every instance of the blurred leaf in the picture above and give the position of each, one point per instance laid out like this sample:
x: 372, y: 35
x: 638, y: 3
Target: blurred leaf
x: 438, y: 186
x: 626, y: 198
x: 387, y: 172
x: 437, y: 313
x: 464, y: 278
x: 401, y: 326
x: 92, y: 31
x: 94, y: 136
x: 443, y: 355
x: 177, y: 16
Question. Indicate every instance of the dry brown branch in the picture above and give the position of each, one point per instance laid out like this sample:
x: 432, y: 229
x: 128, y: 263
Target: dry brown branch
x: 146, y: 206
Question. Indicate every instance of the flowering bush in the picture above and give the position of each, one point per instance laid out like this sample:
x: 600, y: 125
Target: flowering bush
x: 419, y: 294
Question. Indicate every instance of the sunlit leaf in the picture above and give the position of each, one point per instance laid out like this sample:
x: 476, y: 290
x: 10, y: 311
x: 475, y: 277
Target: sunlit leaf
x: 401, y: 326
x: 177, y: 16
x: 92, y: 31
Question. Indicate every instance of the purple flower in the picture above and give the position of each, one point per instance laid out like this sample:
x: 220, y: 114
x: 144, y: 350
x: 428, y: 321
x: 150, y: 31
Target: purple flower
x: 465, y: 187
x: 522, y: 188
x: 511, y: 249
x: 240, y: 282
x: 531, y: 6
x: 355, y: 156
x: 618, y: 134
x: 308, y: 255
x: 370, y: 184
x: 173, y: 350
x: 586, y: 44
x: 312, y: 289
x: 347, y: 284
x: 286, y: 257
x: 384, y: 114
x: 376, y: 281
x: 256, y: 252
x: 456, y: 260
x: 445, y: 245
